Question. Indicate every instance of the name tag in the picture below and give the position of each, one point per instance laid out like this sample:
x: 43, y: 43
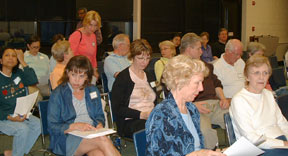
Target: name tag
x: 153, y: 84
x: 17, y: 80
x: 41, y: 57
x: 93, y: 95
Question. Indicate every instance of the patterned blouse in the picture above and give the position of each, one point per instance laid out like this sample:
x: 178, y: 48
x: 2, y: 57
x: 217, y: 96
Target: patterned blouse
x: 166, y: 131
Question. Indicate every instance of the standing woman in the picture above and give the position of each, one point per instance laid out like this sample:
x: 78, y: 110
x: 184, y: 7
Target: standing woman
x: 76, y: 105
x: 83, y: 41
x: 12, y: 83
x: 133, y: 92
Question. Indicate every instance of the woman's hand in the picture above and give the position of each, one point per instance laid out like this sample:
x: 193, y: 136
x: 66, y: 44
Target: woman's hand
x: 80, y: 126
x: 99, y: 126
x: 17, y: 118
x: 205, y: 152
x: 20, y: 57
x: 285, y: 143
x: 145, y: 115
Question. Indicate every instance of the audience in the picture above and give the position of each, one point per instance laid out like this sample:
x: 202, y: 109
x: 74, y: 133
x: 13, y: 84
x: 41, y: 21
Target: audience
x: 206, y: 48
x: 176, y: 40
x: 83, y: 40
x: 229, y: 68
x: 254, y: 111
x: 133, y: 92
x: 62, y: 53
x: 173, y: 127
x: 76, y: 105
x: 219, y: 47
x: 210, y: 102
x: 168, y: 50
x: 117, y: 60
x: 39, y: 62
x: 24, y: 129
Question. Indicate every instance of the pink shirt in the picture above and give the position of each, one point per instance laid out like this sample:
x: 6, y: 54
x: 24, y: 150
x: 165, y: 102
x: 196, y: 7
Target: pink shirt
x: 56, y: 75
x: 87, y: 46
x: 142, y: 97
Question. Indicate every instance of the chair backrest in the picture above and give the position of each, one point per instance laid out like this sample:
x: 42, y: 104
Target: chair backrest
x: 43, y: 107
x: 139, y: 138
x: 229, y: 128
x: 104, y: 81
x: 283, y: 104
x: 278, y: 77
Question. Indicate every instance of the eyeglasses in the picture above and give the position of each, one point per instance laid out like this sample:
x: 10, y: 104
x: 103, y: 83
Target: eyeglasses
x: 258, y: 73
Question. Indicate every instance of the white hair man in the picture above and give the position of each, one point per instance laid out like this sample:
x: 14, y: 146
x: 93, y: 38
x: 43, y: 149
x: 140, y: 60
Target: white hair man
x: 117, y: 61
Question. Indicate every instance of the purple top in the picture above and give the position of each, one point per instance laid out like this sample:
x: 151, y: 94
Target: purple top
x: 207, y: 54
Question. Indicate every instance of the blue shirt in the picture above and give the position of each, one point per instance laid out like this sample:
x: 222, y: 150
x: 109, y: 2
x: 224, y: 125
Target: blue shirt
x: 207, y: 54
x: 190, y: 125
x: 112, y: 64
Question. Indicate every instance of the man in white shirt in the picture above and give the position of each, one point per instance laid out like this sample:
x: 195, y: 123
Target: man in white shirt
x: 117, y: 61
x: 230, y: 67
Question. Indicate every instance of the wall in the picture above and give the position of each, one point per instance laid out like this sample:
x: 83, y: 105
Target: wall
x: 269, y: 18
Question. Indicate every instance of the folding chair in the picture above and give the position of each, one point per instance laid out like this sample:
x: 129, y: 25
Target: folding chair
x: 283, y: 105
x: 43, y: 107
x: 139, y: 138
x: 229, y: 129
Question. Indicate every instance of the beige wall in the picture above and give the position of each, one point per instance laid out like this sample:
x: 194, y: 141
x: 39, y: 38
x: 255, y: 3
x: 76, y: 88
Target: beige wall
x: 269, y: 17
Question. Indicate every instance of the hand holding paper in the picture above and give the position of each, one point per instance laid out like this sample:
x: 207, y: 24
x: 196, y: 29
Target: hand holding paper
x: 25, y: 104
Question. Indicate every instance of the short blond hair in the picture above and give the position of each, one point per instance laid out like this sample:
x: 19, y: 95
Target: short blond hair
x: 256, y: 61
x: 59, y: 49
x: 179, y: 70
x: 170, y: 44
x: 90, y: 16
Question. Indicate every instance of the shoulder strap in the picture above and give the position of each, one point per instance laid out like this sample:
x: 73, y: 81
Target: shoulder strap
x: 80, y: 36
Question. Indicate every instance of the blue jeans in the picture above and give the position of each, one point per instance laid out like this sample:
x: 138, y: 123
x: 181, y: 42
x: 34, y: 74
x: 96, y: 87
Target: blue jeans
x: 24, y: 134
x: 276, y: 152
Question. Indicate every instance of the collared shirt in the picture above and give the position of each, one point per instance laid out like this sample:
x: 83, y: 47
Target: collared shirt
x: 56, y: 75
x: 159, y: 67
x: 112, y: 64
x: 231, y: 77
x: 40, y: 64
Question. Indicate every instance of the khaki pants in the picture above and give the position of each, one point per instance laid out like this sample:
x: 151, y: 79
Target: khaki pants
x: 216, y: 116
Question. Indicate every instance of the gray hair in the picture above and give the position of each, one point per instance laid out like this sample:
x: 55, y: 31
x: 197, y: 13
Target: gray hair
x: 230, y: 45
x: 118, y: 39
x: 189, y: 40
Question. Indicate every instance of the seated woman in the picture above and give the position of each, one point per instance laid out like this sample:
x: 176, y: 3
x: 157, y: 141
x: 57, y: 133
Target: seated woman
x: 173, y: 127
x: 12, y: 83
x: 133, y: 96
x: 167, y: 51
x: 76, y: 105
x: 254, y: 111
x: 62, y: 53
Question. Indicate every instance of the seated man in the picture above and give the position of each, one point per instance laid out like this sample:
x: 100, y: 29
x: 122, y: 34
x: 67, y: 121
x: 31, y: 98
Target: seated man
x: 219, y: 47
x: 117, y: 61
x: 62, y: 53
x: 211, y: 102
x: 230, y: 67
x: 39, y: 62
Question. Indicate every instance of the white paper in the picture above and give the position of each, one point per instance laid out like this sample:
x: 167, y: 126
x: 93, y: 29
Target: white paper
x: 93, y: 134
x: 243, y: 147
x: 24, y: 104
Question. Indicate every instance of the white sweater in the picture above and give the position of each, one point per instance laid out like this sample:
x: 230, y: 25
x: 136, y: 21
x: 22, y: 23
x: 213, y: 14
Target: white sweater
x: 256, y: 114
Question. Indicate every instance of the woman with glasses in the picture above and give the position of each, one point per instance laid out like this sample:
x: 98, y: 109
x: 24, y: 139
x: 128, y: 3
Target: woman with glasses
x: 84, y: 41
x: 254, y: 111
x: 39, y: 62
x: 133, y: 92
